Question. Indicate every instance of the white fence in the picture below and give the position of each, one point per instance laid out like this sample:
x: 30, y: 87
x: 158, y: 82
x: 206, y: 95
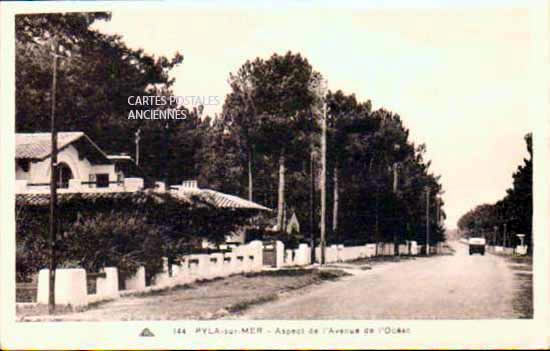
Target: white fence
x: 71, y: 284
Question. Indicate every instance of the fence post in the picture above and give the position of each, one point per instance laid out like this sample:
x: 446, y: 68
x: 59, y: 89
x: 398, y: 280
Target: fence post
x: 136, y: 282
x: 108, y: 287
x: 279, y: 253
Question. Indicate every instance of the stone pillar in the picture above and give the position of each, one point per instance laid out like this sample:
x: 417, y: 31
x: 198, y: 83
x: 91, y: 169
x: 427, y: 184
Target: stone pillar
x: 371, y: 250
x: 184, y: 276
x: 108, y: 287
x: 279, y: 252
x: 302, y: 255
x: 230, y: 263
x: 70, y: 287
x: 340, y: 253
x: 414, y: 248
x: 137, y: 281
x: 216, y: 265
x: 162, y: 279
x: 257, y: 249
x: 288, y: 258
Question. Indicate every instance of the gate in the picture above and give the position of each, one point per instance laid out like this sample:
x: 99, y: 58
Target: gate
x: 269, y: 254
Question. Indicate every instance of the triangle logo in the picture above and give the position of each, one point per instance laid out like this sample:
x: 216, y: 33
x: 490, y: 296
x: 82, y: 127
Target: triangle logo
x: 146, y: 332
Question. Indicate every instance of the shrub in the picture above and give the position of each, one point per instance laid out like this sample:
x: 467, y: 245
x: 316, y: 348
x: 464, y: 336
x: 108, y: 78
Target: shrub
x: 32, y: 250
x: 121, y: 240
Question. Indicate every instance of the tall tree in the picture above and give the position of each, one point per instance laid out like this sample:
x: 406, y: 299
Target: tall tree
x: 240, y: 112
x: 277, y: 95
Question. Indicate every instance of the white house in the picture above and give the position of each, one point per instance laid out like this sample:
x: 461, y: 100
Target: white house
x: 82, y: 165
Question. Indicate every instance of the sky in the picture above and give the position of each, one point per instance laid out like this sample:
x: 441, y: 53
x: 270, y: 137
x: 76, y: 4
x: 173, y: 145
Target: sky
x: 457, y: 76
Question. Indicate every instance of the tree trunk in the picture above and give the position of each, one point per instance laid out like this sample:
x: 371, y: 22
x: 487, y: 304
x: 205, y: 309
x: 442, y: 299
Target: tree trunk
x: 281, y: 194
x: 335, y: 207
x: 250, y: 193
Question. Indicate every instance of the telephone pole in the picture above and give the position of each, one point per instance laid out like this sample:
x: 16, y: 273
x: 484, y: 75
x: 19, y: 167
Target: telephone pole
x: 137, y: 145
x: 427, y: 221
x: 504, y: 234
x: 323, y: 174
x: 53, y: 190
x: 438, y: 210
x: 395, y: 238
x: 395, y: 169
x: 312, y: 204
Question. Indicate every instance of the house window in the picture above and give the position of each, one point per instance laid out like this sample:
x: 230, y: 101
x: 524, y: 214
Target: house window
x: 64, y: 174
x: 102, y: 180
x: 91, y: 180
x: 120, y: 178
x: 24, y: 164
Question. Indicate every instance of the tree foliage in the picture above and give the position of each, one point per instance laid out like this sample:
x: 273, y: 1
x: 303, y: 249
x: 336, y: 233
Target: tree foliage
x: 515, y: 210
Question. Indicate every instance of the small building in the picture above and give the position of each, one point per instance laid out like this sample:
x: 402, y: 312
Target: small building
x: 293, y: 226
x: 81, y: 165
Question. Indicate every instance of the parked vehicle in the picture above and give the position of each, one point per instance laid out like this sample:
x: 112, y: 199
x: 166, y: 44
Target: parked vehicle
x: 477, y: 245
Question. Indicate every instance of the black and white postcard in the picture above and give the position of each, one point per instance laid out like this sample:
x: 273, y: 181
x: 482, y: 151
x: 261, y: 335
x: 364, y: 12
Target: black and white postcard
x: 238, y: 174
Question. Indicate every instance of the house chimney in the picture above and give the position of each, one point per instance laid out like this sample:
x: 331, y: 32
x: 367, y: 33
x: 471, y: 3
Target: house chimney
x: 189, y: 184
x: 160, y: 186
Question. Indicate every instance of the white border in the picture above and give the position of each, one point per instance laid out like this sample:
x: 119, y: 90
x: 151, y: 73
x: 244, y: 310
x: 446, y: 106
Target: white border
x: 123, y: 335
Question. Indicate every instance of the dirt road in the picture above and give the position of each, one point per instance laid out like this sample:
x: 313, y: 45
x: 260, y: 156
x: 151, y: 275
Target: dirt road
x: 456, y: 286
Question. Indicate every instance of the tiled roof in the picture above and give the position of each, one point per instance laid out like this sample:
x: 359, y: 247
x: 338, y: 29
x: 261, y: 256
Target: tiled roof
x: 39, y: 145
x: 221, y: 200
x: 43, y: 199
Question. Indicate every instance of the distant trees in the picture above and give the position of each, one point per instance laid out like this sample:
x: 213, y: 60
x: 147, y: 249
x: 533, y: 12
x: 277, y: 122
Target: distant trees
x: 511, y: 215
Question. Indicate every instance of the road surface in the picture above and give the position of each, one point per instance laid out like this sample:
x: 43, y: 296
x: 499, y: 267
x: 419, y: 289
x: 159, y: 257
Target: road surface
x: 456, y: 286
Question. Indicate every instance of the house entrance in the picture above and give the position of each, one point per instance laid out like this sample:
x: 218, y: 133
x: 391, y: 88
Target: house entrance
x: 64, y: 174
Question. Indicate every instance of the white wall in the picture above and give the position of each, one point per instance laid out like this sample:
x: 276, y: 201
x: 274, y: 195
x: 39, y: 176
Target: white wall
x: 39, y: 171
x: 71, y: 283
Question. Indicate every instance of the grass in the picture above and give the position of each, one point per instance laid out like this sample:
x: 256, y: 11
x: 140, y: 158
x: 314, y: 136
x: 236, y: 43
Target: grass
x: 25, y: 292
x: 42, y: 309
x: 318, y: 275
x: 244, y: 305
x: 380, y: 259
x: 523, y: 295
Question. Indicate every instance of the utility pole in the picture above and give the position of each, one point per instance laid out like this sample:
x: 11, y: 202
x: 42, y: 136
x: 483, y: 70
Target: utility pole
x: 323, y: 175
x: 166, y: 144
x: 395, y: 168
x: 395, y: 180
x: 427, y: 221
x: 312, y: 204
x: 137, y: 145
x: 437, y: 208
x: 53, y: 189
x: 504, y: 235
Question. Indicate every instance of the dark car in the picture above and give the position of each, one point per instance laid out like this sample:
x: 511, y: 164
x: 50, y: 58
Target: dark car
x: 477, y: 245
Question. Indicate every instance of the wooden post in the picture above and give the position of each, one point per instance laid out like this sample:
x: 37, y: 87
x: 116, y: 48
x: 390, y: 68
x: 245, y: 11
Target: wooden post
x: 323, y: 181
x: 53, y: 191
